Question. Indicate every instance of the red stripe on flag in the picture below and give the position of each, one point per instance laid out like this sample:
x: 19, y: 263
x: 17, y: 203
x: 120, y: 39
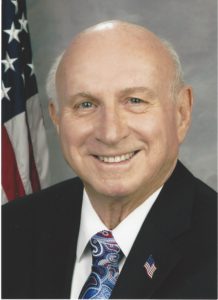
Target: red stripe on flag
x: 11, y: 180
x: 34, y: 177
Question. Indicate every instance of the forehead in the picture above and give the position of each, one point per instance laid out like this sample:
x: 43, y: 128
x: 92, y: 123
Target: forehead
x: 108, y: 57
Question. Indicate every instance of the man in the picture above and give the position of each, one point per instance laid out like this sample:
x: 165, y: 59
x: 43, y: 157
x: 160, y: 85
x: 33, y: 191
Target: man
x: 121, y: 110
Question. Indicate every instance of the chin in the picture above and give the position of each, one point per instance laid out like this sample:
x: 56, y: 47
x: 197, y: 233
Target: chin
x: 115, y: 189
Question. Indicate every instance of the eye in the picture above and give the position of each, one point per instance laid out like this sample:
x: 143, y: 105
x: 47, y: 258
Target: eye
x: 136, y: 105
x: 86, y: 105
x: 135, y: 100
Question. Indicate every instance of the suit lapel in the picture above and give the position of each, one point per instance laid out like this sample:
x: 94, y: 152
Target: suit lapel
x: 168, y: 218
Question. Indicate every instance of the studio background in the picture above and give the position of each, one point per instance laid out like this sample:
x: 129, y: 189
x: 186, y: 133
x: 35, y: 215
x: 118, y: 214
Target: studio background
x: 190, y: 25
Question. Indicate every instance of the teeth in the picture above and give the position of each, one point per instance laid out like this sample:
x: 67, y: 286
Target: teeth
x: 116, y: 159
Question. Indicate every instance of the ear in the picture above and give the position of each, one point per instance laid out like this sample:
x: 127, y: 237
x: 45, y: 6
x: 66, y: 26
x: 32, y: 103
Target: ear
x: 54, y: 115
x: 184, y: 111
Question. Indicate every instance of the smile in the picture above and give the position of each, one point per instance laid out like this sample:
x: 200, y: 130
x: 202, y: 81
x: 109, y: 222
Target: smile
x: 117, y: 158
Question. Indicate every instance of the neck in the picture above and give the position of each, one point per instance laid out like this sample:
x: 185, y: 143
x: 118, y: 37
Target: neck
x: 113, y: 210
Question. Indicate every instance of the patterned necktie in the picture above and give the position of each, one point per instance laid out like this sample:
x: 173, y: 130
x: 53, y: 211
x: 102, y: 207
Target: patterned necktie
x: 106, y: 255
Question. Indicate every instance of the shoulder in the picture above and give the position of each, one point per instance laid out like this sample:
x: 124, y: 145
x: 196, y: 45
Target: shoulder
x: 51, y: 199
x: 25, y: 220
x: 191, y: 183
x: 203, y: 211
x: 192, y: 200
x: 205, y: 198
x: 46, y: 195
x: 204, y: 191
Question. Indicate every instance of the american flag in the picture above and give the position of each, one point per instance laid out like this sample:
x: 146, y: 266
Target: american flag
x: 150, y: 266
x: 24, y: 148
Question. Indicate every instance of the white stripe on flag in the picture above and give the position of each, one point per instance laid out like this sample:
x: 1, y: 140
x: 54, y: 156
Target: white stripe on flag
x: 4, y: 197
x: 17, y: 132
x: 38, y: 137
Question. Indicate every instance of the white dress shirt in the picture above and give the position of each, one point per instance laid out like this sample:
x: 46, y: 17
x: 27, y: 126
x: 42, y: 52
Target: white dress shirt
x: 124, y: 234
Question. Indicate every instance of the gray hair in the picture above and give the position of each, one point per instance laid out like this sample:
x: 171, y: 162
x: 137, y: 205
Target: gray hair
x: 51, y: 80
x: 176, y: 85
x: 178, y: 82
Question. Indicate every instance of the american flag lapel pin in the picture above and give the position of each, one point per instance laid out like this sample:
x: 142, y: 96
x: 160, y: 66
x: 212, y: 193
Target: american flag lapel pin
x: 150, y: 267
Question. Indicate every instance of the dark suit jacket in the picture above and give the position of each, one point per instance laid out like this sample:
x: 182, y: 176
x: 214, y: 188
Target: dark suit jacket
x: 40, y: 237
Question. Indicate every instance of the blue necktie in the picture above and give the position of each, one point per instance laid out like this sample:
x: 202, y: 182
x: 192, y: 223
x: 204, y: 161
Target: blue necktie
x: 106, y: 256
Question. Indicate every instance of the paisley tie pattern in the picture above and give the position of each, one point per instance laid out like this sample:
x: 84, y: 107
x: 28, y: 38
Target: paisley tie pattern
x: 106, y: 256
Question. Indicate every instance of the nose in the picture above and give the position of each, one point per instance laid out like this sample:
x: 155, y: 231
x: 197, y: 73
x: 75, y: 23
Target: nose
x: 112, y: 126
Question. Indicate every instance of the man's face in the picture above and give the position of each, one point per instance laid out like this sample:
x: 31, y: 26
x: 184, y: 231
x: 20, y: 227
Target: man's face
x: 118, y: 124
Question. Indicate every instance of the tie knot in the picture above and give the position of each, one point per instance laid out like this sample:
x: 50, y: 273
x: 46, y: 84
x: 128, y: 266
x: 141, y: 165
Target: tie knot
x: 105, y: 250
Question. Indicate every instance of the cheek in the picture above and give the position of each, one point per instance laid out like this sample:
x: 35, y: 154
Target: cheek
x: 157, y: 128
x: 148, y: 126
x: 73, y: 133
x: 68, y: 136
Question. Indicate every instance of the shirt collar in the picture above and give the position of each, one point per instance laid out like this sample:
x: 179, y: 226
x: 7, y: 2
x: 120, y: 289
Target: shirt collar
x: 91, y: 224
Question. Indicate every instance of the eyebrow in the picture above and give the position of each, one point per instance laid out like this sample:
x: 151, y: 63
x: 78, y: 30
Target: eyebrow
x: 121, y: 93
x: 136, y: 89
x: 83, y: 94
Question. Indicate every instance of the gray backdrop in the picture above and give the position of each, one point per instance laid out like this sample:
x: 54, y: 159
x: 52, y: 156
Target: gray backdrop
x: 191, y: 25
